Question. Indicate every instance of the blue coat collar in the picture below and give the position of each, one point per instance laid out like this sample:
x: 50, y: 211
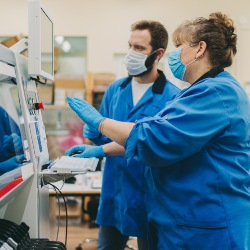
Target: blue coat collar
x: 211, y: 73
x: 158, y: 85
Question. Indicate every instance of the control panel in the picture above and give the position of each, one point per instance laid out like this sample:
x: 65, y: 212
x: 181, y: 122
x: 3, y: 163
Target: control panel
x: 32, y: 107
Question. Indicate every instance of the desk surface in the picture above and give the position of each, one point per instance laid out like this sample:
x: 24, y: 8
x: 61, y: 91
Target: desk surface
x: 82, y: 186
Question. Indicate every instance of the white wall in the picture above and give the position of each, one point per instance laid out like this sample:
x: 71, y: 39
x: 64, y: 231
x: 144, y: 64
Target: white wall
x: 106, y: 23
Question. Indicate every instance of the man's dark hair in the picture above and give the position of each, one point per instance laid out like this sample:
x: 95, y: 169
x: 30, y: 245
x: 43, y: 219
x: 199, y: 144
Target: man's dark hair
x: 159, y: 35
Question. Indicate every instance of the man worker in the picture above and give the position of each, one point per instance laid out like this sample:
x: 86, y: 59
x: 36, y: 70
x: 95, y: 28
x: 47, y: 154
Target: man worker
x: 143, y: 93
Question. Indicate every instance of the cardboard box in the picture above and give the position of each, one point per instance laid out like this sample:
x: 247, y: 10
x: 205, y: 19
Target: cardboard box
x: 46, y: 93
x: 68, y: 87
x: 69, y: 83
x: 12, y: 40
x: 56, y: 64
x: 57, y: 53
x: 103, y: 78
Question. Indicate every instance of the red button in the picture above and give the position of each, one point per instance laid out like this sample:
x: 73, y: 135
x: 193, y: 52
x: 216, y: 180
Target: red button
x: 39, y: 105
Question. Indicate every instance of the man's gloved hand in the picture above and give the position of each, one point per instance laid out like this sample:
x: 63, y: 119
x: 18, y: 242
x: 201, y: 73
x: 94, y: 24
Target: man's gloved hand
x: 87, y: 151
x: 95, y: 136
x: 86, y: 112
x: 11, y: 163
x: 13, y: 143
x: 90, y: 133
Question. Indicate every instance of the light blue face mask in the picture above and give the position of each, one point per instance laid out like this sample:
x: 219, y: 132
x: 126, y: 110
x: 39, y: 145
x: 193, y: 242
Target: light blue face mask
x: 177, y: 67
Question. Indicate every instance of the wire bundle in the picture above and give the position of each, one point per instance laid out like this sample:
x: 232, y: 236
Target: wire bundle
x: 14, y: 236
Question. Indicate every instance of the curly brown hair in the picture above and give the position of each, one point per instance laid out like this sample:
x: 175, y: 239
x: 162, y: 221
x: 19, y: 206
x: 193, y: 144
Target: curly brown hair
x: 218, y: 31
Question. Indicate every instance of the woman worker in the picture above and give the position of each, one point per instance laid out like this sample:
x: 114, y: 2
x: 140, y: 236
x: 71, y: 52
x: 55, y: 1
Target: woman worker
x: 197, y: 149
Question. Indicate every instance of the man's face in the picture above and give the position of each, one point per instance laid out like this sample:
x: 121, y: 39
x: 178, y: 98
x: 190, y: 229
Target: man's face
x: 140, y: 41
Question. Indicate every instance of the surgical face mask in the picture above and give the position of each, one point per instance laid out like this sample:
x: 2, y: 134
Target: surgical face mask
x: 177, y: 67
x: 138, y: 63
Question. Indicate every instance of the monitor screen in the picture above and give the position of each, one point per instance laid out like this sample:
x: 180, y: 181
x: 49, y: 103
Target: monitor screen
x: 14, y: 151
x: 41, y: 42
x: 46, y: 43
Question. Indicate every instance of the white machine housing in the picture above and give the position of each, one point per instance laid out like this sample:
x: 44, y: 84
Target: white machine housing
x: 27, y: 202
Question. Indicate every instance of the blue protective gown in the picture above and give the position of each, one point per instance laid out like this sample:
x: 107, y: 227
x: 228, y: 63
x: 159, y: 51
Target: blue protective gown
x: 121, y: 202
x: 197, y: 157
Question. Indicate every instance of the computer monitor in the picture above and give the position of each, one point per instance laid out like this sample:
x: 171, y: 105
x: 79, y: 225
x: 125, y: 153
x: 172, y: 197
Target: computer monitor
x: 40, y: 41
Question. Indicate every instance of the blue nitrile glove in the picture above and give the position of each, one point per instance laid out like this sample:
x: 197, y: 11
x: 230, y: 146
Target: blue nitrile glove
x: 87, y: 151
x: 11, y: 163
x: 100, y: 140
x: 90, y: 133
x: 13, y: 143
x: 93, y: 135
x: 86, y: 112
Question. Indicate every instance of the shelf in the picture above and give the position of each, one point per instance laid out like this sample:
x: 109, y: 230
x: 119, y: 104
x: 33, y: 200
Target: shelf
x: 99, y: 88
x: 57, y: 106
x: 57, y: 132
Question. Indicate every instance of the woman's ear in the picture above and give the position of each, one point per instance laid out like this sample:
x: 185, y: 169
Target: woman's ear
x: 201, y: 49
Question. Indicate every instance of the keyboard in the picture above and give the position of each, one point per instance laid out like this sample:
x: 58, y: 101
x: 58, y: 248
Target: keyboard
x: 68, y: 164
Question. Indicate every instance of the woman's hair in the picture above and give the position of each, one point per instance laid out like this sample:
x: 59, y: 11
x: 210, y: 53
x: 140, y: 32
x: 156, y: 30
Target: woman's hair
x: 218, y: 33
x: 159, y: 35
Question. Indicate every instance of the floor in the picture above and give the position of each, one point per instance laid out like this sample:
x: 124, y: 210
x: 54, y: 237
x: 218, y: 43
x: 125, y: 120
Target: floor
x: 76, y: 235
x: 77, y: 232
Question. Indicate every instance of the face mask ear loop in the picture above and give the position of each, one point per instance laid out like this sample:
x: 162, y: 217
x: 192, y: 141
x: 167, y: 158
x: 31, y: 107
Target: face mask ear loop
x: 155, y: 51
x: 149, y: 62
x: 191, y: 62
x: 195, y: 58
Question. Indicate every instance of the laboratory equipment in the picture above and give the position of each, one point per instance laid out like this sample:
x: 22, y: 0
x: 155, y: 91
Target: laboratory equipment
x: 24, y: 196
x: 23, y: 199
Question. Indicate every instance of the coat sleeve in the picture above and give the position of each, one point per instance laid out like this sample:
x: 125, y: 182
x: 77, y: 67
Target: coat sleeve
x: 183, y: 128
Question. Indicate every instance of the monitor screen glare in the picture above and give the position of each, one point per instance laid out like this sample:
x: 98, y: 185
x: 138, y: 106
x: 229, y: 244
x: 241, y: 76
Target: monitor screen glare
x: 46, y: 43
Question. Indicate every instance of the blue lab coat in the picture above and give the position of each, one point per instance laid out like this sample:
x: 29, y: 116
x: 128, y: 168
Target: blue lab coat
x: 197, y: 157
x: 121, y: 202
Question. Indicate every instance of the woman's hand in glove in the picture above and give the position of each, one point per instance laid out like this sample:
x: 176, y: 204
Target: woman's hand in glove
x: 86, y: 112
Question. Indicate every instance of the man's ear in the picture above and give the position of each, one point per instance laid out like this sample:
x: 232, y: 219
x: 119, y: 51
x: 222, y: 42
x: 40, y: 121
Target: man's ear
x: 160, y: 52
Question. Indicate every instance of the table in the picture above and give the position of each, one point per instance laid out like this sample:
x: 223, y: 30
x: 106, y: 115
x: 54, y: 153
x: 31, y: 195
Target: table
x: 83, y: 187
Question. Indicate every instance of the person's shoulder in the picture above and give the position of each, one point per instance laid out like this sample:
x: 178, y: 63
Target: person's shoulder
x: 117, y: 83
x: 230, y: 86
x: 172, y: 86
x: 3, y: 112
x: 224, y: 81
x: 223, y: 87
x: 122, y: 80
